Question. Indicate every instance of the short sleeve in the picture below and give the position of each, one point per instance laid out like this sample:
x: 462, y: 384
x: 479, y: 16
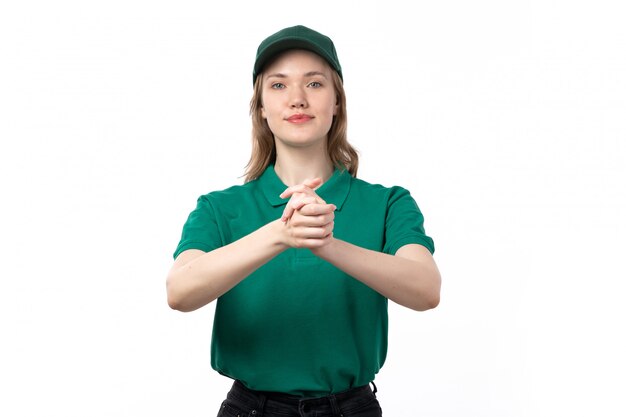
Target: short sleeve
x: 201, y: 230
x: 404, y: 223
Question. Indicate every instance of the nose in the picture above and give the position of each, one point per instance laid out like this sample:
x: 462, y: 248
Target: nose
x: 298, y: 98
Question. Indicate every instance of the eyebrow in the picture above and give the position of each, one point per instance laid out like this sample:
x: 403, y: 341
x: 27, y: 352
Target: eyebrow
x: 308, y: 74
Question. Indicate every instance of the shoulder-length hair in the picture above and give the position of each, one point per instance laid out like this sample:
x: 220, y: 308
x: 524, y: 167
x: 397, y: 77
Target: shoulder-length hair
x: 341, y: 153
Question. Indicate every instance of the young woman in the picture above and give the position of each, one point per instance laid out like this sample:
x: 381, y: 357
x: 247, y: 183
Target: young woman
x: 303, y: 257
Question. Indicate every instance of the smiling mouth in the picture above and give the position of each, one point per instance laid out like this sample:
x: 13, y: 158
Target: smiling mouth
x: 299, y: 118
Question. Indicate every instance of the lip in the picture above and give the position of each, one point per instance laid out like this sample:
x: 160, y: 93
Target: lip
x: 299, y: 118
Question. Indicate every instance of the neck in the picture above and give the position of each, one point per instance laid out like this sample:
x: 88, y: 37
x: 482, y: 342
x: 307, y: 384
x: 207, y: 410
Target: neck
x: 293, y: 167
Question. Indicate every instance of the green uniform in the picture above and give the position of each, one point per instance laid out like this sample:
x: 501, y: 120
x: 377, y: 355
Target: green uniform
x: 298, y: 324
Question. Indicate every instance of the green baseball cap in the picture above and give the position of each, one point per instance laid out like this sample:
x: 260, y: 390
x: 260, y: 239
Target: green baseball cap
x: 296, y: 37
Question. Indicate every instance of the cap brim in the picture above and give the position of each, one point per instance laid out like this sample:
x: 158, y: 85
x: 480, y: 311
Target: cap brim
x: 286, y: 44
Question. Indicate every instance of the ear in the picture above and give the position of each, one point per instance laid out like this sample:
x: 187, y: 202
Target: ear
x: 263, y: 112
x: 335, y: 109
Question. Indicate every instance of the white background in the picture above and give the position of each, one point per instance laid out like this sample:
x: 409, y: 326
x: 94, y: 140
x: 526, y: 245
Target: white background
x: 506, y: 120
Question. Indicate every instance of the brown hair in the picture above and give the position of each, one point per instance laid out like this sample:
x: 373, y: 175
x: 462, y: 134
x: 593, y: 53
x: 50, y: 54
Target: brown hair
x: 341, y: 153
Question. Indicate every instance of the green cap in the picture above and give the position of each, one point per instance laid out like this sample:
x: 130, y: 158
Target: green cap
x: 296, y: 37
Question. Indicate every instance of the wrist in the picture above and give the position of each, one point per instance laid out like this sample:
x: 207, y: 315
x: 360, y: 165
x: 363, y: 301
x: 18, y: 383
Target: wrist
x: 277, y: 235
x: 326, y: 251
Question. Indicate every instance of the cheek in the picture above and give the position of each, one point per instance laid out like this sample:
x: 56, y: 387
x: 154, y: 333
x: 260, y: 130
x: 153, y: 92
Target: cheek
x: 269, y: 110
x: 333, y: 107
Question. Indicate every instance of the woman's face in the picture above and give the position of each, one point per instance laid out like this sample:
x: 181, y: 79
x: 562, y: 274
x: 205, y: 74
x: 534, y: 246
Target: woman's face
x: 299, y: 99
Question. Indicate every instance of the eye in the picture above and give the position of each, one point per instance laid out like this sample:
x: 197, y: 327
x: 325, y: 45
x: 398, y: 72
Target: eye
x: 315, y: 84
x: 278, y: 86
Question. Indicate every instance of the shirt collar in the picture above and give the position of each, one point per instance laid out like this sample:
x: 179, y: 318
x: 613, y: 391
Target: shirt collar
x: 334, y: 191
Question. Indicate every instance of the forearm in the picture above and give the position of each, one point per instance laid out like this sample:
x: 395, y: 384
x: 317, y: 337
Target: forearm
x: 194, y: 283
x: 413, y: 283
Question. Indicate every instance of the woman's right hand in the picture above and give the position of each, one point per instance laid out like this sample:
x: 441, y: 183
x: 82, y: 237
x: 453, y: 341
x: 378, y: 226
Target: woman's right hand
x: 197, y: 278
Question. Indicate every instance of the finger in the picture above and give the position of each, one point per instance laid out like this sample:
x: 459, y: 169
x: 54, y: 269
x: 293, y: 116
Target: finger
x: 306, y: 192
x: 312, y: 232
x: 297, y: 204
x: 300, y: 188
x: 287, y: 212
x: 306, y: 187
x: 313, y: 183
x: 317, y: 209
x: 299, y: 220
x: 319, y: 243
x: 294, y: 205
x: 313, y: 243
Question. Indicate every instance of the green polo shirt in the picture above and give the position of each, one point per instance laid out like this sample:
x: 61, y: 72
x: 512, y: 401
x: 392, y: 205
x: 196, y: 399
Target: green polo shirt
x: 298, y: 324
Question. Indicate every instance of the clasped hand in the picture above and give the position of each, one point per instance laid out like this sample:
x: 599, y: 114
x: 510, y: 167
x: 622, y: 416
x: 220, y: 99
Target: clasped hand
x: 308, y: 219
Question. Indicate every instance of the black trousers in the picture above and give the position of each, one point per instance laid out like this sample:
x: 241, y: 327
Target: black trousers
x: 356, y: 402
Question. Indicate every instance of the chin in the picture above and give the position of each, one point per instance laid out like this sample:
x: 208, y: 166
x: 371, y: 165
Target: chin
x: 301, y: 142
